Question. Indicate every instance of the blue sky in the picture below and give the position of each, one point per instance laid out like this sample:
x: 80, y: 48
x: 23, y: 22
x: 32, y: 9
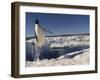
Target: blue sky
x: 57, y: 23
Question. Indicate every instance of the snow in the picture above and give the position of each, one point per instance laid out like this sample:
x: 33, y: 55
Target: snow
x: 65, y: 41
x: 77, y: 60
x: 68, y: 55
x: 80, y: 57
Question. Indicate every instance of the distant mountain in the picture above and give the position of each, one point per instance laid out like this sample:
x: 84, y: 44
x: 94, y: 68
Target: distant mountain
x: 62, y: 35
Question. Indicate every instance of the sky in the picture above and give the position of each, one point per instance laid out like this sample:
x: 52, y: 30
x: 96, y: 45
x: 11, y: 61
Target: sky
x: 57, y: 23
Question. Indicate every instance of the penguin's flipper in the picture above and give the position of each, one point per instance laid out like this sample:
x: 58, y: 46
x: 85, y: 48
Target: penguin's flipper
x: 46, y: 30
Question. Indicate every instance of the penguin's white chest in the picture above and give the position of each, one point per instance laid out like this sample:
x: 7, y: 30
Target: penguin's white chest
x: 40, y: 35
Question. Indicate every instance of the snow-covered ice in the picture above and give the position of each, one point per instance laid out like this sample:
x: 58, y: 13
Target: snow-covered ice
x: 77, y: 60
x: 79, y: 57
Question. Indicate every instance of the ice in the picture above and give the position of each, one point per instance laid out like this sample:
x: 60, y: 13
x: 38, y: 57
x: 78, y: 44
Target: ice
x: 81, y: 59
x: 65, y: 41
x: 72, y: 58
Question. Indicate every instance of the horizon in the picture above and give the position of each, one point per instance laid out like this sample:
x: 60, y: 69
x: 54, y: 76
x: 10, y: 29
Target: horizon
x: 65, y: 34
x: 32, y: 37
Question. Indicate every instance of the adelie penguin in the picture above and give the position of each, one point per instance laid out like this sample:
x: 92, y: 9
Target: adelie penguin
x: 40, y: 37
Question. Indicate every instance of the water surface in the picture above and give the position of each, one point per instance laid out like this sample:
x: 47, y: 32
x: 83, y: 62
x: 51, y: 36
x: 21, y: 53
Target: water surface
x: 47, y: 53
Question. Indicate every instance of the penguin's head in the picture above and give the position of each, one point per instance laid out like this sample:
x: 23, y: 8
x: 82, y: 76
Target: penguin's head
x: 36, y: 21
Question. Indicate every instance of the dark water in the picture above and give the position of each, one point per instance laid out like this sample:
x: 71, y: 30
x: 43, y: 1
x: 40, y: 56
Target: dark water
x: 47, y: 53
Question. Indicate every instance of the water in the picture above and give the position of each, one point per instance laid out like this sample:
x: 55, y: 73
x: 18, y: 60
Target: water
x: 47, y: 53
